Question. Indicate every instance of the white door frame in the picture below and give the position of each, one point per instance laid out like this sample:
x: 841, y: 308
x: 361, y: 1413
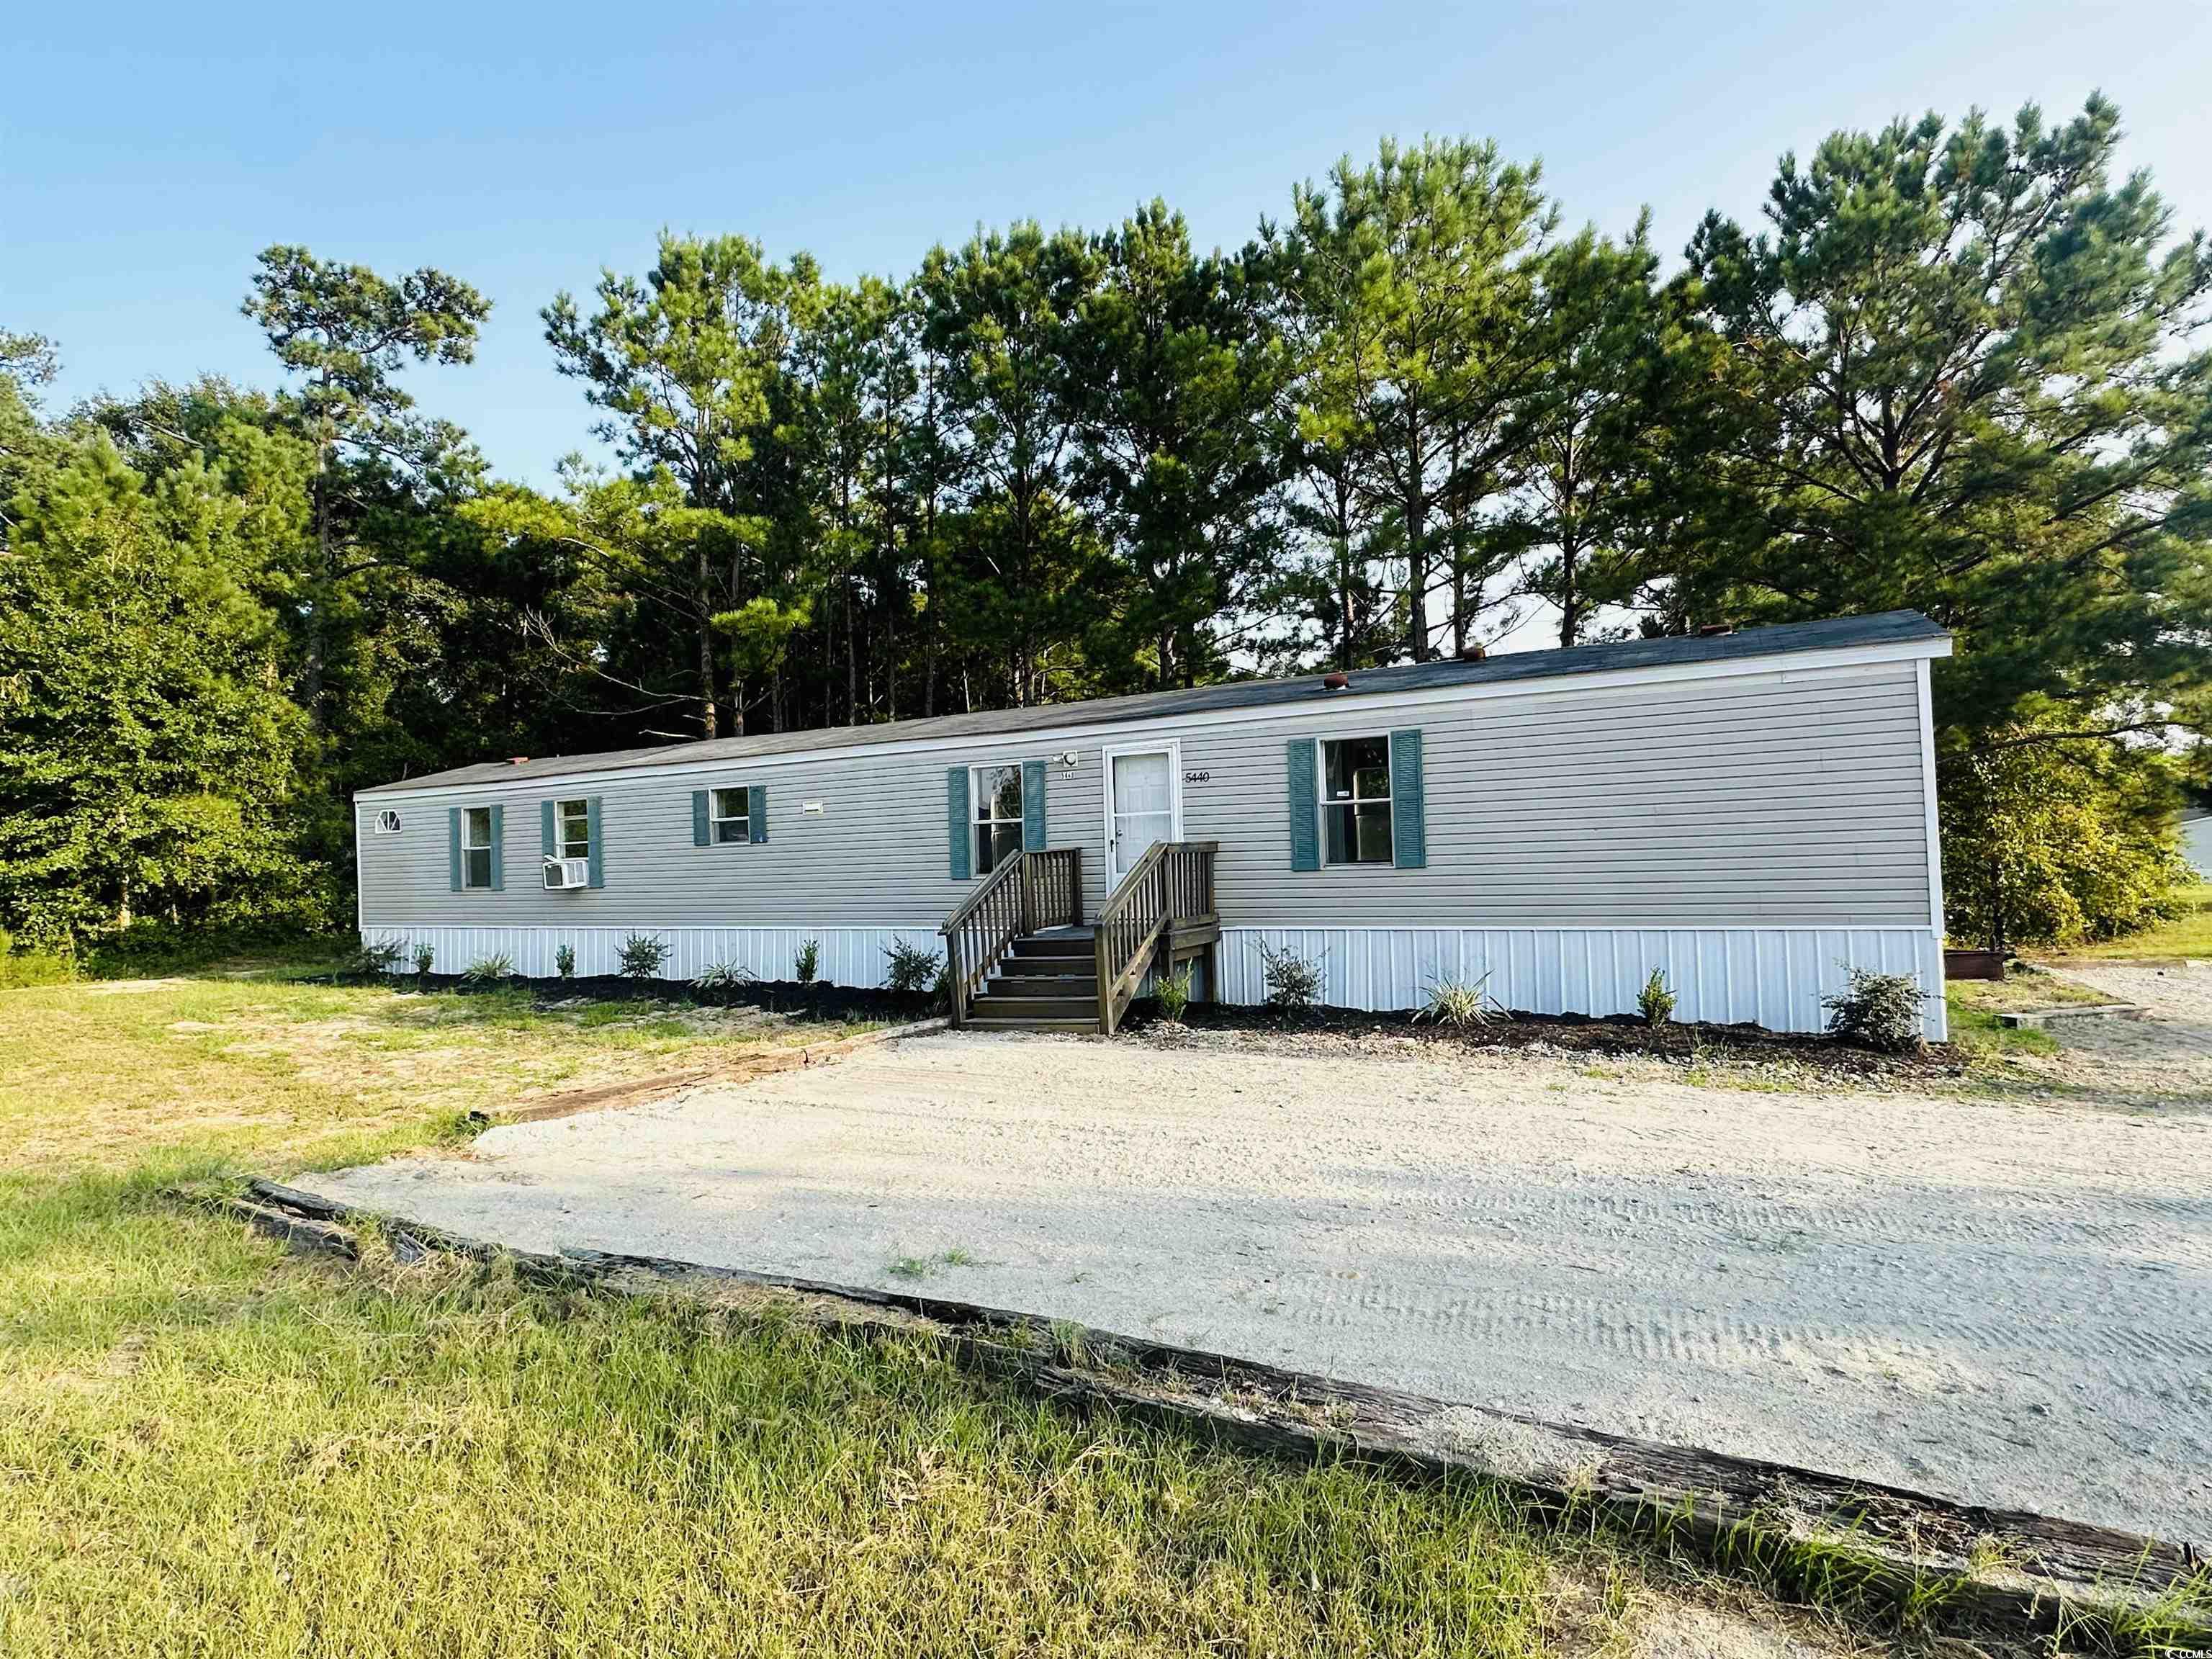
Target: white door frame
x: 1172, y: 748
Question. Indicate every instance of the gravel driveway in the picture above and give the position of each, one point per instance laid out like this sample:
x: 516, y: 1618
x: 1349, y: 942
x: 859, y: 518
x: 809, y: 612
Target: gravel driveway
x: 2010, y: 1303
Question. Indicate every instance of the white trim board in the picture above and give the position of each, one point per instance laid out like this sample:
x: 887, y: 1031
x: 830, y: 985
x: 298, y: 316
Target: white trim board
x: 1782, y: 668
x: 1928, y: 787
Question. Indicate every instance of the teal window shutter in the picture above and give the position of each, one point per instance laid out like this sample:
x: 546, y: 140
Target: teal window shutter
x: 453, y: 846
x: 1033, y: 806
x: 958, y: 851
x: 592, y: 821
x: 700, y: 834
x: 1409, y: 829
x: 498, y: 849
x: 1305, y: 803
x: 546, y: 830
x: 756, y: 812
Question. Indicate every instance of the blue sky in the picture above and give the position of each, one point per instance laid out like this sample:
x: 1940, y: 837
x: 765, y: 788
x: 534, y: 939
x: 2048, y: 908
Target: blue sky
x: 147, y: 151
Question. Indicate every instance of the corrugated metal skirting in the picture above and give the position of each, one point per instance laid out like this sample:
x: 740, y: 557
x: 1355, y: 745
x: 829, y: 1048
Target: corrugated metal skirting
x: 1773, y: 977
x: 1770, y: 976
x: 849, y: 956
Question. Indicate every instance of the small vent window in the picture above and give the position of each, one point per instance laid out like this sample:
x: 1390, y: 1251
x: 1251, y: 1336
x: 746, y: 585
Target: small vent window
x: 387, y: 822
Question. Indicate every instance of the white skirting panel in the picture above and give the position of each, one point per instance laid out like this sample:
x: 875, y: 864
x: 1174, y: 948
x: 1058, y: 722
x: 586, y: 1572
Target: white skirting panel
x: 1770, y: 976
x: 849, y: 956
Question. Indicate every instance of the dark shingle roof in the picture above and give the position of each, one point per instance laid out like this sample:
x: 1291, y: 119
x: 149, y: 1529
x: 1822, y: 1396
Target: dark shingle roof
x: 1887, y: 627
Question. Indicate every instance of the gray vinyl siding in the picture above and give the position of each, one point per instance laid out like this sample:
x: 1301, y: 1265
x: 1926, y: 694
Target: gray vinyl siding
x: 1773, y: 801
x: 1787, y: 799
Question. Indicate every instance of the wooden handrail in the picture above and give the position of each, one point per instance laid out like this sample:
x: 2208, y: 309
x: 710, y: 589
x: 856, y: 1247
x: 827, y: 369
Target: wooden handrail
x: 1029, y: 891
x: 1172, y: 883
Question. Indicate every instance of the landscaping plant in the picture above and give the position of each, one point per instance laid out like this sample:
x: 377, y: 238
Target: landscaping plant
x: 1294, y: 981
x: 721, y: 978
x: 1173, y: 991
x: 1457, y: 1002
x: 642, y: 956
x: 912, y: 967
x: 426, y: 957
x: 564, y: 962
x: 371, y: 960
x: 494, y: 970
x: 1877, y: 1011
x: 1655, y: 1001
x: 809, y: 961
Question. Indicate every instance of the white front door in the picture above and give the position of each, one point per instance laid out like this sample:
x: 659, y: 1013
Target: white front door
x: 1144, y: 805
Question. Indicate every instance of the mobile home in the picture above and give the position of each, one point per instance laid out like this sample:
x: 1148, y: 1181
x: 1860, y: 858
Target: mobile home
x: 1751, y: 814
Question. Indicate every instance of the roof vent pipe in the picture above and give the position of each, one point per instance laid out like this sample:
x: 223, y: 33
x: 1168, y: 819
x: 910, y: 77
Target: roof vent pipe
x: 517, y: 759
x: 1714, y: 631
x: 1334, y: 682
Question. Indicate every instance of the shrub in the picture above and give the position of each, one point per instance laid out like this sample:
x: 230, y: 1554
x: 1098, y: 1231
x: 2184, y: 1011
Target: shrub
x: 20, y: 968
x: 1655, y: 1001
x: 912, y: 967
x: 426, y: 957
x: 809, y: 961
x: 493, y: 969
x: 564, y: 962
x: 1877, y: 1011
x: 381, y: 957
x: 1455, y: 1002
x: 1294, y: 981
x: 1174, y: 991
x: 723, y: 977
x: 642, y: 956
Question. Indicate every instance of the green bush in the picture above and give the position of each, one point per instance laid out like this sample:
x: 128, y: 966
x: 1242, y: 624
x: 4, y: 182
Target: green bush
x: 1173, y: 991
x: 372, y: 956
x: 912, y: 967
x: 564, y: 962
x: 2048, y: 840
x: 20, y: 968
x: 642, y: 956
x: 1877, y: 1011
x: 809, y: 961
x: 1294, y: 981
x: 426, y: 958
x: 1655, y: 1001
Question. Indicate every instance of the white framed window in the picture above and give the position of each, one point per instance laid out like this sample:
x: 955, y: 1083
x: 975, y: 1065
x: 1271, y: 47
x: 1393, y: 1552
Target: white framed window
x: 572, y: 829
x: 1355, y: 800
x: 387, y: 821
x: 729, y: 814
x: 996, y: 792
x: 476, y: 847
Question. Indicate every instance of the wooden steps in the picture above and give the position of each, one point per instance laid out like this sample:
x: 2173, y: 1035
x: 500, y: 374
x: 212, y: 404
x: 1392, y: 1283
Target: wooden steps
x: 1048, y: 982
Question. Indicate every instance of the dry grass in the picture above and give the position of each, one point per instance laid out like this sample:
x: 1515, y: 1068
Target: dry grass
x: 102, y: 1073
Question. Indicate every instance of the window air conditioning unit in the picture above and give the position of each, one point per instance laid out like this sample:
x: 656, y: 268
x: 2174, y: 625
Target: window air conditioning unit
x: 562, y: 874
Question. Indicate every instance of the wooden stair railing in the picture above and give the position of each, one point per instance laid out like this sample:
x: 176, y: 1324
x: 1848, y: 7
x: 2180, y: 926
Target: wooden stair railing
x: 1171, y: 884
x: 1028, y: 892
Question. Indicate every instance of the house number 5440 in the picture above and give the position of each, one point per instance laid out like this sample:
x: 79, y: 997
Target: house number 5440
x: 1196, y: 777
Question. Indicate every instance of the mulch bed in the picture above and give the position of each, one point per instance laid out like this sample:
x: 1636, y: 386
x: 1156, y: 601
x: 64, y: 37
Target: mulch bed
x: 1574, y: 1034
x: 818, y: 1001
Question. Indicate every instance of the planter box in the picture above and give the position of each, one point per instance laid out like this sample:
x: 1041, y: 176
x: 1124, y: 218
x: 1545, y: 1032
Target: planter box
x: 1973, y: 964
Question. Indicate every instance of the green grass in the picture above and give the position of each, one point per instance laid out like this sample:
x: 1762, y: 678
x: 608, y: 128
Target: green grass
x: 1975, y: 1030
x: 2188, y: 935
x: 208, y: 1447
